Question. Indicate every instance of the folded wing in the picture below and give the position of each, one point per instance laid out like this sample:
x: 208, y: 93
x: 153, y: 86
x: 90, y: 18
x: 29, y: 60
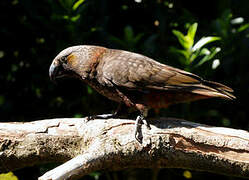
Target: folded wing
x: 135, y: 71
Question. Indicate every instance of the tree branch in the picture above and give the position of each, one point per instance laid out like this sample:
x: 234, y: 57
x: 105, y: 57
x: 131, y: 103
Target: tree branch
x: 110, y: 144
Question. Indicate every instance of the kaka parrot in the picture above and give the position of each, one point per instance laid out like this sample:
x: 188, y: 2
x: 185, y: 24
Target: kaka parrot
x: 132, y: 79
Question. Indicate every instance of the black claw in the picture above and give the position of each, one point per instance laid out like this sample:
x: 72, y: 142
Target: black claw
x: 138, y: 130
x: 139, y: 138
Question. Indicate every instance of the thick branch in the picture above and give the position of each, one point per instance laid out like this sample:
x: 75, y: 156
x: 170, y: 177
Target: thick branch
x: 110, y: 144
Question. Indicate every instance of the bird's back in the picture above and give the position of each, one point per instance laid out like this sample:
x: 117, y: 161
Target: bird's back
x: 133, y: 71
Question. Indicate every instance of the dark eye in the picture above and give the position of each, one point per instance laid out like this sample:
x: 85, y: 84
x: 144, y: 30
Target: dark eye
x: 64, y: 59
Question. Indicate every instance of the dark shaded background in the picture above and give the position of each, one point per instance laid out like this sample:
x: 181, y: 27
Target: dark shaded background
x: 32, y: 33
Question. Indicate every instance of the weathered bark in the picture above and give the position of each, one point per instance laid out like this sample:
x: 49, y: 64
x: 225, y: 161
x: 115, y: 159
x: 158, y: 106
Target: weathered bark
x: 110, y: 144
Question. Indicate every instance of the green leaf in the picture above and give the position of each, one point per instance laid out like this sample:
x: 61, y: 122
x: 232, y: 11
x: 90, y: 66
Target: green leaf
x: 138, y: 37
x: 243, y: 27
x: 95, y: 175
x: 66, y: 17
x: 226, y: 122
x: 8, y: 176
x: 203, y: 60
x: 201, y: 52
x: 193, y: 56
x: 184, y: 40
x: 89, y: 90
x: 78, y: 115
x: 180, y: 51
x: 204, y: 41
x: 75, y: 18
x: 67, y: 4
x: 2, y: 100
x: 118, y: 41
x: 128, y: 34
x: 192, y: 30
x: 204, y: 51
x: 77, y: 4
x: 208, y: 57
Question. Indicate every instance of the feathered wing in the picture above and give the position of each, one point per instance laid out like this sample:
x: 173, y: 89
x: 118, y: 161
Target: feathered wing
x: 136, y: 71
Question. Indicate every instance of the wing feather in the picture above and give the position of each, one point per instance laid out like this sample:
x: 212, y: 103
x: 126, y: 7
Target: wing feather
x: 135, y: 71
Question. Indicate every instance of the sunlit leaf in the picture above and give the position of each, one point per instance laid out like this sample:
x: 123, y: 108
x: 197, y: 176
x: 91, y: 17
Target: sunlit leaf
x: 77, y: 4
x: 187, y: 174
x: 192, y: 30
x: 243, y: 27
x: 208, y: 57
x: 66, y: 17
x: 8, y: 176
x: 204, y: 51
x: 193, y: 56
x: 204, y: 41
x: 203, y: 60
x: 75, y: 18
x: 189, y: 43
x: 184, y: 40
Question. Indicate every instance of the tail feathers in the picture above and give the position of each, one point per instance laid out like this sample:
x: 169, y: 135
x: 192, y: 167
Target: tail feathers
x: 203, y: 87
x: 218, y: 86
x: 214, y: 89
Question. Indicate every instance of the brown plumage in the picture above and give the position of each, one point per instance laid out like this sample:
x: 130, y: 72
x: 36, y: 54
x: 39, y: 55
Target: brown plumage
x: 134, y: 79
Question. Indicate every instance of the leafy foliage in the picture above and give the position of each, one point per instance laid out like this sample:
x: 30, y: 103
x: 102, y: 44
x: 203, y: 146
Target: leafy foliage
x: 192, y: 51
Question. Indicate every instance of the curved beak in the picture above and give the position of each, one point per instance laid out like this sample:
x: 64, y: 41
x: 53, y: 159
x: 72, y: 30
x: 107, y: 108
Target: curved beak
x: 53, y: 70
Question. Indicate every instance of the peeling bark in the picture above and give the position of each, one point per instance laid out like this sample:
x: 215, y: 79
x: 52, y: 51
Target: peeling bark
x: 110, y: 144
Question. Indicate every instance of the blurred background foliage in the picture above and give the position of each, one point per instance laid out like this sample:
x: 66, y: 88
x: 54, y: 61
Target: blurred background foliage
x: 209, y: 38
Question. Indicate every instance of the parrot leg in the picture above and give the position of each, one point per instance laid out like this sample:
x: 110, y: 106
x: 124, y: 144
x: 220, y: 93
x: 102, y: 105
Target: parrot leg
x: 140, y: 118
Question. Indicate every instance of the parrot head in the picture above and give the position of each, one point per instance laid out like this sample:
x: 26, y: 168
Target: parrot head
x: 63, y: 64
x: 71, y: 62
